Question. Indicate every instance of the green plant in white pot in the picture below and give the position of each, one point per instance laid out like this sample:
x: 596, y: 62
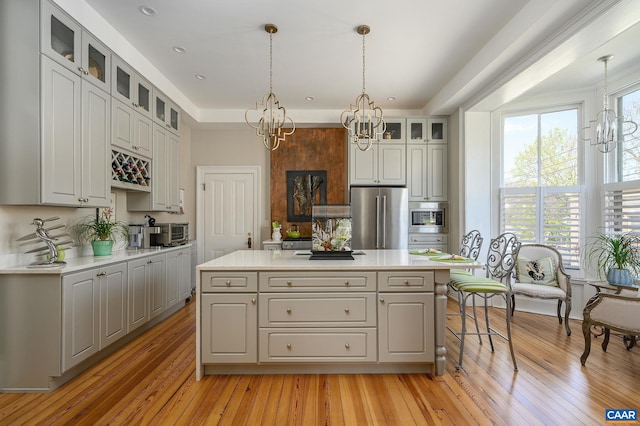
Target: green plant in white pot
x: 616, y: 256
x: 101, y: 230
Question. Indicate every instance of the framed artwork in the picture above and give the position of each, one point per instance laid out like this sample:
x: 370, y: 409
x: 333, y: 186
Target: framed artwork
x: 304, y: 189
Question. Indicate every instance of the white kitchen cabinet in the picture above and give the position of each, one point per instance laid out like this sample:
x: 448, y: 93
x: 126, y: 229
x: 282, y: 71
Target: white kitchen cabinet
x: 419, y: 241
x: 184, y: 273
x: 427, y: 172
x: 229, y: 315
x: 178, y: 277
x: 75, y: 137
x: 165, y: 112
x: 396, y: 341
x: 437, y: 172
x: 157, y: 282
x: 416, y: 130
x: 138, y: 290
x: 80, y: 317
x: 437, y: 131
x: 130, y: 88
x: 383, y: 164
x: 164, y: 195
x: 394, y: 131
x: 66, y: 42
x: 113, y: 303
x: 131, y: 130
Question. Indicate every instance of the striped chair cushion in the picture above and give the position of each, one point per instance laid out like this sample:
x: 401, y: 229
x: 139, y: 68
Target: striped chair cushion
x: 471, y: 283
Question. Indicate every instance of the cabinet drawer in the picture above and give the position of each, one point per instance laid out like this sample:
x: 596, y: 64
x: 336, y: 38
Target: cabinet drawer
x: 317, y: 309
x: 229, y: 282
x: 428, y: 239
x: 406, y: 281
x: 313, y: 345
x: 334, y: 281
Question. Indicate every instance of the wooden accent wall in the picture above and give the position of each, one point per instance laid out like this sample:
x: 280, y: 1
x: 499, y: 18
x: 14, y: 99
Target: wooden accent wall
x: 309, y: 149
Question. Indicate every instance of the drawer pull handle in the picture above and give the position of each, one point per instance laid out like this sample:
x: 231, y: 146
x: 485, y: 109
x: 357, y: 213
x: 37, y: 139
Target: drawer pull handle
x: 381, y: 300
x: 288, y: 282
x: 101, y: 274
x: 346, y: 282
x: 288, y: 310
x: 346, y: 310
x: 253, y: 300
x: 228, y: 282
x: 346, y: 345
x: 288, y: 345
x: 406, y: 282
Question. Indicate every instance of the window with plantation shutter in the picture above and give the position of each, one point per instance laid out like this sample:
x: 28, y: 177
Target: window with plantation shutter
x: 622, y: 207
x: 541, y: 197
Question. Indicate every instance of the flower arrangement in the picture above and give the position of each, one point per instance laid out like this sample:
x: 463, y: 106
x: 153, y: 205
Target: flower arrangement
x: 103, y: 226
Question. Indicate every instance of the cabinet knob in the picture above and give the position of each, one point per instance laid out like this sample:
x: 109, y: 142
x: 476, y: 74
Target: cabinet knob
x: 253, y: 300
x: 288, y: 282
x: 346, y: 310
x: 346, y: 283
x: 346, y: 345
x: 228, y: 283
x: 288, y: 345
x: 406, y: 282
x: 381, y: 300
x: 149, y: 262
x: 288, y: 310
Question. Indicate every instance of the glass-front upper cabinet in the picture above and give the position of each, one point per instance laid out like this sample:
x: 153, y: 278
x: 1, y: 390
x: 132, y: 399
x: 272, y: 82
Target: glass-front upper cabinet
x: 165, y: 112
x: 96, y: 62
x: 417, y: 130
x: 66, y: 42
x: 437, y: 130
x: 130, y: 88
x: 60, y: 37
x: 394, y: 131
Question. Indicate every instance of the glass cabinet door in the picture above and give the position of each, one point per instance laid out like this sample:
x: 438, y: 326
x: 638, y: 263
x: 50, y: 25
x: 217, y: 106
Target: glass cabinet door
x: 60, y: 37
x: 96, y: 62
x: 161, y: 110
x: 175, y: 119
x: 143, y: 94
x: 437, y: 128
x: 416, y: 130
x: 122, y: 82
x: 394, y: 131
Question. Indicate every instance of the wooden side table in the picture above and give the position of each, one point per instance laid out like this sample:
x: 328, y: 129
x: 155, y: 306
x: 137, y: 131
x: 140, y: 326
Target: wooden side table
x: 630, y: 290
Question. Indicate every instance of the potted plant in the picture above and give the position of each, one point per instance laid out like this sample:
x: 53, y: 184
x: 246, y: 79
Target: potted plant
x: 101, y: 231
x: 616, y: 256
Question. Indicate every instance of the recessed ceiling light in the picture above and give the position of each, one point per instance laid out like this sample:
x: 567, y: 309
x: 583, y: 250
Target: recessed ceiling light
x: 391, y: 98
x: 148, y: 10
x: 309, y: 98
x: 179, y: 49
x: 201, y: 76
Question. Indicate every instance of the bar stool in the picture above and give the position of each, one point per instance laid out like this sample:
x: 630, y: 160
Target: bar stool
x: 501, y: 259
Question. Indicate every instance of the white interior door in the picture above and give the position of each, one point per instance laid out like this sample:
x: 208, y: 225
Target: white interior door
x: 228, y: 209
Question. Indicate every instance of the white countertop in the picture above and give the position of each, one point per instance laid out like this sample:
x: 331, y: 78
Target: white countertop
x: 292, y: 260
x: 76, y: 264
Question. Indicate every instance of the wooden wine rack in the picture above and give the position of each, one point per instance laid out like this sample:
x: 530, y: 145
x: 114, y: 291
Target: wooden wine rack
x: 130, y: 172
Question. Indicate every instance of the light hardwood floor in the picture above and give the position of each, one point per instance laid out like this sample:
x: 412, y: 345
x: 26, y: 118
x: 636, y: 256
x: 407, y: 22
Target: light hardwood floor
x: 152, y: 381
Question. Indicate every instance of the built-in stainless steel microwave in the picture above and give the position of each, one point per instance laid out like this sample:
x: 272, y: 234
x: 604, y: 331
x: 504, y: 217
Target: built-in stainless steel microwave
x: 428, y: 217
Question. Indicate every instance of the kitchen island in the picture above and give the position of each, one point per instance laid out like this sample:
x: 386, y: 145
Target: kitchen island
x: 265, y: 311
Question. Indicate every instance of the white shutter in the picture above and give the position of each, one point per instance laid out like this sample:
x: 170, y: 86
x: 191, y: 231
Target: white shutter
x: 562, y: 223
x: 519, y: 213
x: 622, y: 207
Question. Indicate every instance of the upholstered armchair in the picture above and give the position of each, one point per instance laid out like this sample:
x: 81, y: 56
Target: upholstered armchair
x: 612, y: 312
x: 540, y: 274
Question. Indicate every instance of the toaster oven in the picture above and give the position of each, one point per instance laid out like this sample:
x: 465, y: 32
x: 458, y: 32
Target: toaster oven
x: 171, y: 234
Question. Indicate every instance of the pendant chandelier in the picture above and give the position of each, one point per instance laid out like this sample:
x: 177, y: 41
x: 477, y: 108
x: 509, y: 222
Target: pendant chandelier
x: 270, y: 126
x: 363, y: 119
x: 609, y: 130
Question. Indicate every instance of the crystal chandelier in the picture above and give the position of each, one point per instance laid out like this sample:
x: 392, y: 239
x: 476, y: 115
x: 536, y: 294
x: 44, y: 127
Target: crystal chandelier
x: 273, y: 118
x: 363, y: 119
x: 608, y: 129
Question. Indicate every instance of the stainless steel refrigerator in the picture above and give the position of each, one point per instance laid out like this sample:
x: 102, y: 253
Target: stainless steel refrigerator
x: 380, y: 217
